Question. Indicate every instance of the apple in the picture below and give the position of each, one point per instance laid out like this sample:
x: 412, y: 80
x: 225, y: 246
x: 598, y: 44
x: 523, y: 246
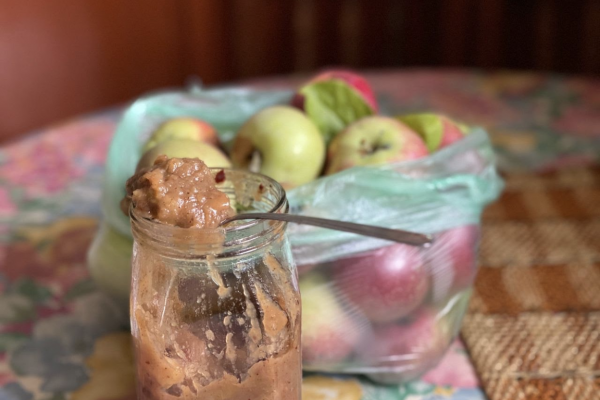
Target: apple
x: 109, y: 262
x: 417, y: 336
x: 329, y: 332
x: 320, y: 267
x: 436, y: 130
x: 282, y: 143
x: 319, y: 387
x: 183, y: 128
x: 453, y: 309
x: 185, y: 148
x: 404, y: 352
x: 335, y: 99
x: 305, y: 268
x: 452, y: 260
x: 385, y: 284
x: 354, y: 80
x: 371, y: 141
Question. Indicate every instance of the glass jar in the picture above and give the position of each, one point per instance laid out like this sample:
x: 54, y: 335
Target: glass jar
x: 215, y: 314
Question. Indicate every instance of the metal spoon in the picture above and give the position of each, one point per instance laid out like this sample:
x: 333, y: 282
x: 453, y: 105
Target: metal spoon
x: 395, y: 235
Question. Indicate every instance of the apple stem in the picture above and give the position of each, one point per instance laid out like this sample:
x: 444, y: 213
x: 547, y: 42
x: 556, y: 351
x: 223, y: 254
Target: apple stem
x: 255, y: 162
x: 372, y: 148
x: 378, y: 145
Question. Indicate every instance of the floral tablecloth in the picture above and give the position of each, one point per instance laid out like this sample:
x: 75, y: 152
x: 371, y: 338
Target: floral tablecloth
x: 60, y: 338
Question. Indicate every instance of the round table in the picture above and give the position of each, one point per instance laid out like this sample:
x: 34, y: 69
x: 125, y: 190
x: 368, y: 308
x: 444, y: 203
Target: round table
x: 61, y: 338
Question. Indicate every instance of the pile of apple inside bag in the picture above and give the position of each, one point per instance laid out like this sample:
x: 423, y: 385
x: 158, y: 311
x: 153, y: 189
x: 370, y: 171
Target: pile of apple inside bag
x: 370, y: 306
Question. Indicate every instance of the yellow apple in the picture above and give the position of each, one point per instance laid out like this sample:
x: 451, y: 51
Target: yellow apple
x: 109, y: 262
x: 372, y: 141
x: 185, y: 148
x: 282, y: 143
x: 183, y: 128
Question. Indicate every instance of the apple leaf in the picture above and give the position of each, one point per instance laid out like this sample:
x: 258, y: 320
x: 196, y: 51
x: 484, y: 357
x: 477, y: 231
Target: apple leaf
x: 332, y: 105
x: 428, y: 126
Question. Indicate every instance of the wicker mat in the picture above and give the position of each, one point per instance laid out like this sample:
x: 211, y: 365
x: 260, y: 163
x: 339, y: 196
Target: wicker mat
x: 533, y: 327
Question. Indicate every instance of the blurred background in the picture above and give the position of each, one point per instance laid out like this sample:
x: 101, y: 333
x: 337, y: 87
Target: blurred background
x: 62, y: 58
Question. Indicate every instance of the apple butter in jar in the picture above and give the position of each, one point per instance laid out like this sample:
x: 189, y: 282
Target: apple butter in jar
x: 215, y: 312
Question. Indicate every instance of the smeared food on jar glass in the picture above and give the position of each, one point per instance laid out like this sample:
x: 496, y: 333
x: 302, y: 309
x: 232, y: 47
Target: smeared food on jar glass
x: 178, y: 191
x: 206, y: 325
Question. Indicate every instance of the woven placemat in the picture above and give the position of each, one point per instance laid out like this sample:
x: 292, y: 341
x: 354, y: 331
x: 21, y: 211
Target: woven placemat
x: 533, y: 327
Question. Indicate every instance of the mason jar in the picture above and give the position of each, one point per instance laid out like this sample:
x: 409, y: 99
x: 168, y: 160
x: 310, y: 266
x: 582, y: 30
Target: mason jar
x: 215, y: 314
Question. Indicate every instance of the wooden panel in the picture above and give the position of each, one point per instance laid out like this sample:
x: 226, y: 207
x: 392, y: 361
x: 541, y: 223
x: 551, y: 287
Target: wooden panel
x: 591, y: 37
x: 328, y: 32
x: 544, y: 33
x: 262, y: 37
x: 60, y: 58
x: 488, y: 33
x: 63, y: 57
x: 206, y: 38
x: 352, y: 22
x: 304, y: 35
x: 378, y: 36
x: 456, y: 24
x: 569, y: 38
x: 422, y: 31
x: 518, y: 41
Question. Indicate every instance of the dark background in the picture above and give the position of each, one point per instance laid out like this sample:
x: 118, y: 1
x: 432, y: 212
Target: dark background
x: 60, y: 58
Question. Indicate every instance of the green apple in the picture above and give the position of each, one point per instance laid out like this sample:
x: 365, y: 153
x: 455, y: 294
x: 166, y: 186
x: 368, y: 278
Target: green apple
x: 183, y: 128
x: 185, y: 148
x: 280, y: 142
x: 436, y: 130
x: 374, y: 140
x: 109, y: 262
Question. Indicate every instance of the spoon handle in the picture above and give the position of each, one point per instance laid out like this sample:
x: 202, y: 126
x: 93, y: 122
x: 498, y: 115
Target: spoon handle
x: 395, y: 235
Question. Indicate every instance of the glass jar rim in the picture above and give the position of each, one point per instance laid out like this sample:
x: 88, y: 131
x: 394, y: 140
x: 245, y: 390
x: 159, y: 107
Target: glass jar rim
x: 159, y: 232
x: 230, y: 227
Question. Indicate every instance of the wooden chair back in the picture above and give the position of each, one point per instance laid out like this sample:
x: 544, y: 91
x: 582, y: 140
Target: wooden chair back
x: 61, y: 58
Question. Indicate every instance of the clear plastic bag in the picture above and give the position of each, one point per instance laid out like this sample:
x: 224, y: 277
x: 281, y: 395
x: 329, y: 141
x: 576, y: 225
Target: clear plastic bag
x: 386, y: 310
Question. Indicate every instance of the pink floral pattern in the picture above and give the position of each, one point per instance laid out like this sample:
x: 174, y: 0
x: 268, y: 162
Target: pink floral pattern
x: 7, y: 207
x: 45, y: 163
x: 54, y: 255
x: 47, y: 299
x: 581, y: 121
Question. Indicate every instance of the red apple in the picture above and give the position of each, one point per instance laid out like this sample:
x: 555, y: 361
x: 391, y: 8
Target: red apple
x: 329, y: 332
x: 322, y: 267
x: 305, y: 268
x: 452, y: 260
x: 390, y: 343
x: 437, y: 131
x: 372, y: 141
x: 403, y: 352
x: 386, y: 284
x: 354, y: 80
x: 453, y: 132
